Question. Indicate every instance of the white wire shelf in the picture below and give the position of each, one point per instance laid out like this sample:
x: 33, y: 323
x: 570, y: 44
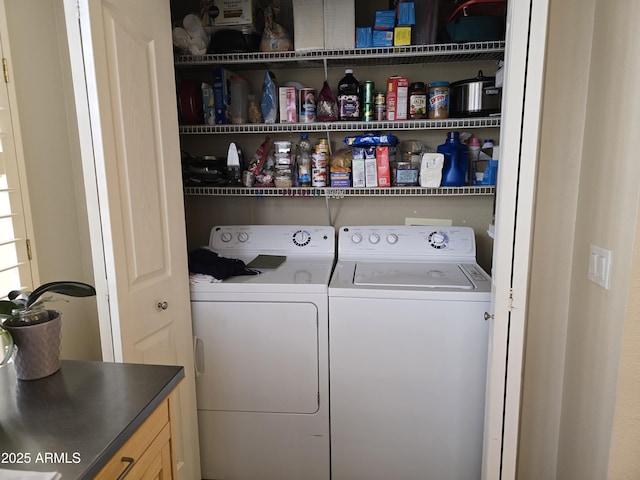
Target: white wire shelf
x: 411, y: 54
x: 450, y: 123
x: 338, y: 193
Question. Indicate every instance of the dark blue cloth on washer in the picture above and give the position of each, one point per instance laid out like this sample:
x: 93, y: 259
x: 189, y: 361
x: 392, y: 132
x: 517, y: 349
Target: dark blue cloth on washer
x: 203, y: 260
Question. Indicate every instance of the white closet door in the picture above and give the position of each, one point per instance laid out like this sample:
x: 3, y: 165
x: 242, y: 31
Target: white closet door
x: 125, y: 96
x: 521, y: 104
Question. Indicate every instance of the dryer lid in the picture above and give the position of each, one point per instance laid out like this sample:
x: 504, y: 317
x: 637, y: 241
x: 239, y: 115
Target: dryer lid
x: 425, y: 275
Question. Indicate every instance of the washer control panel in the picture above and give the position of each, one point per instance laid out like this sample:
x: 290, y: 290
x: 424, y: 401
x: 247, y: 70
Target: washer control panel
x: 407, y: 241
x: 282, y: 239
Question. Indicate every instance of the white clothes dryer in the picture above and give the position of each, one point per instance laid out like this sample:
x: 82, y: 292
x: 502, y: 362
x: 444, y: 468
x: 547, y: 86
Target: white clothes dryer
x: 262, y: 356
x: 408, y: 352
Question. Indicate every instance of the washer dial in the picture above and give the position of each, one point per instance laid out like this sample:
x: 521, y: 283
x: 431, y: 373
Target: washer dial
x: 243, y: 237
x: 438, y: 240
x: 301, y: 238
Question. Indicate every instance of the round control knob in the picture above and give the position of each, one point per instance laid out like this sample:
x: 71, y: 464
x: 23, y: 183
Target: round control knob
x: 438, y: 239
x: 243, y: 237
x: 392, y: 239
x: 301, y: 238
x: 356, y: 238
x: 374, y: 238
x: 226, y: 237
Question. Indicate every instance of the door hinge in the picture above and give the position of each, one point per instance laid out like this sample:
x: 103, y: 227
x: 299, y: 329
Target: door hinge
x: 5, y: 70
x: 511, y: 299
x: 29, y: 256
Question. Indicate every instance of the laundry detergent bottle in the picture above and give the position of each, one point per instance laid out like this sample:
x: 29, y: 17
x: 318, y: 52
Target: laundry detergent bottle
x: 455, y: 161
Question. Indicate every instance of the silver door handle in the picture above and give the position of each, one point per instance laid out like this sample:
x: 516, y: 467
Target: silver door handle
x: 488, y: 316
x: 163, y: 305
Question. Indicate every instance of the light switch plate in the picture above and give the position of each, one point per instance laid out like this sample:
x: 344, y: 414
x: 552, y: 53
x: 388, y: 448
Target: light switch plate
x: 599, y: 266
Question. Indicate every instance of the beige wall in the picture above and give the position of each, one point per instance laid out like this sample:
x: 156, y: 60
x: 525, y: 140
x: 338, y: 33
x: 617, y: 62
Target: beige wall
x: 587, y: 193
x: 625, y: 443
x: 42, y: 82
x: 563, y: 118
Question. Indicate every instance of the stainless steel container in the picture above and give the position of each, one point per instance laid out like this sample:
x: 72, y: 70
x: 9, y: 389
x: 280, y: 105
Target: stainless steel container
x: 475, y: 97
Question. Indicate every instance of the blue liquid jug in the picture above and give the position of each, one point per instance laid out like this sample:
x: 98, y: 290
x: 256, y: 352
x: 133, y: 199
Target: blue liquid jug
x: 455, y: 161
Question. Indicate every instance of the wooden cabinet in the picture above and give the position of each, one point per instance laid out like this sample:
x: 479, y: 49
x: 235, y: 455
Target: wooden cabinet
x: 149, y: 453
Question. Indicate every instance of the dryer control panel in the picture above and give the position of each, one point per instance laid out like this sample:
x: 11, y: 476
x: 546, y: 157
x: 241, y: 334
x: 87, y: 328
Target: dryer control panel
x: 408, y: 242
x: 280, y: 239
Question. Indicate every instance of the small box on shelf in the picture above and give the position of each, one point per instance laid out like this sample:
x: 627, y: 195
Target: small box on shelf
x: 233, y: 13
x: 340, y: 179
x: 385, y: 20
x: 402, y: 36
x: 364, y: 37
x: 288, y: 105
x: 382, y: 38
x: 406, y: 13
x: 221, y: 95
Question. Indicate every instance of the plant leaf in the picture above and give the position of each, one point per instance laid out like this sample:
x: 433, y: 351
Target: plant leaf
x: 73, y: 289
x: 6, y: 307
x: 13, y: 294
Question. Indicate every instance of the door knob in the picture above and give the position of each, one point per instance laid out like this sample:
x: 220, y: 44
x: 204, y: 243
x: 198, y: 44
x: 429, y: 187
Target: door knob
x: 163, y: 305
x: 488, y: 316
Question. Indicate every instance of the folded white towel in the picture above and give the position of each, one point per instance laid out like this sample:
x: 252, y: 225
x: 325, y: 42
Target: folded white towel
x: 22, y: 475
x: 202, y: 278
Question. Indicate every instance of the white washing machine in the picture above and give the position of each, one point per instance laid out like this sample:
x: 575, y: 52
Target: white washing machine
x: 262, y: 356
x: 408, y: 353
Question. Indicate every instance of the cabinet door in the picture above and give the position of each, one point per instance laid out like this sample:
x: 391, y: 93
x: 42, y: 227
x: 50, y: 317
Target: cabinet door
x: 125, y: 97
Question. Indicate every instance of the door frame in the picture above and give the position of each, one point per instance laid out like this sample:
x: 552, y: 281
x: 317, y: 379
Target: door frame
x: 86, y: 99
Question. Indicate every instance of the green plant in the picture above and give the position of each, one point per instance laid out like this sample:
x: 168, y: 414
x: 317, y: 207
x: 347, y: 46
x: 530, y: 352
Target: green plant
x: 20, y: 302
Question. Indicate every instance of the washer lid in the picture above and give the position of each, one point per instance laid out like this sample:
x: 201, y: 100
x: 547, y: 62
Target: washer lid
x: 427, y: 275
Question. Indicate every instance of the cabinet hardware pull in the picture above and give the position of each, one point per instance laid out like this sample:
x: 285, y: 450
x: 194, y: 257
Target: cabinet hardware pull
x: 488, y: 316
x: 163, y: 305
x: 131, y: 462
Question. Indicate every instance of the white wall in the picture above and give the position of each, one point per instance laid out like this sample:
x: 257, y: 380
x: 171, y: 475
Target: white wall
x: 587, y: 193
x: 42, y: 82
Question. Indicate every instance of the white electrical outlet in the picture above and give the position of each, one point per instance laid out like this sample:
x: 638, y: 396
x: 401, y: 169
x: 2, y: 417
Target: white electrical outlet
x: 599, y: 266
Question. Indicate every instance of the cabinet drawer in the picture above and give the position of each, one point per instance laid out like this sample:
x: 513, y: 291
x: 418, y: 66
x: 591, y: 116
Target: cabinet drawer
x: 139, y: 442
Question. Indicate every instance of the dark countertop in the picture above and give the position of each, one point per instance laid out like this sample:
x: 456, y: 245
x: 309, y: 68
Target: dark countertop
x: 75, y: 420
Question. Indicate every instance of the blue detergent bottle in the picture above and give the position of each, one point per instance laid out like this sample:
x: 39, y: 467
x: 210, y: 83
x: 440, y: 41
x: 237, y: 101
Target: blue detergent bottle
x: 455, y: 161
